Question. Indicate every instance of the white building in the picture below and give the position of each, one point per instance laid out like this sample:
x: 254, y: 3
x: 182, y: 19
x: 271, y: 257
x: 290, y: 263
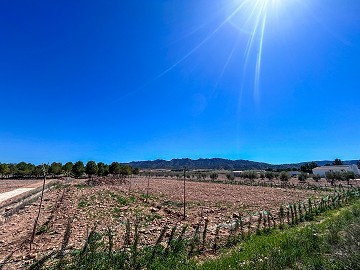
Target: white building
x: 336, y: 168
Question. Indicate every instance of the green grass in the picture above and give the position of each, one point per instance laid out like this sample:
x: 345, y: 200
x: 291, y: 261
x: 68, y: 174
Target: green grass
x: 80, y: 186
x: 83, y: 203
x: 310, y: 246
x: 120, y: 200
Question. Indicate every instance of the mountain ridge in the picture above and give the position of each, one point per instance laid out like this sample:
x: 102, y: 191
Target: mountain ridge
x: 220, y: 163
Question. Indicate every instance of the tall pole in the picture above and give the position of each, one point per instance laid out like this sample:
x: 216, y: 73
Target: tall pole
x: 147, y: 188
x: 41, y: 200
x: 184, y: 192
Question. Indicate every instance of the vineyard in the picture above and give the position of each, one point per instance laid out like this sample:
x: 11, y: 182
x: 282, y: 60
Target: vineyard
x: 133, y: 222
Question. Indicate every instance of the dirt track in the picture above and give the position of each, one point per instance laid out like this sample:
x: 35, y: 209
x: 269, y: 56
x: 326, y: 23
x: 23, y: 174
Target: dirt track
x: 10, y: 194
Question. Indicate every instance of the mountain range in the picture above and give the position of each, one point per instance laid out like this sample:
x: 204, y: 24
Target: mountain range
x: 220, y: 163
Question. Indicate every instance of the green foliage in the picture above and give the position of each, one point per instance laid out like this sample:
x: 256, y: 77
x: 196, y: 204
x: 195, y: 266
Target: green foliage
x: 315, y: 246
x: 284, y: 176
x: 78, y: 169
x: 302, y: 176
x: 67, y: 168
x: 4, y: 169
x: 308, y: 167
x: 24, y: 169
x: 118, y: 198
x: 120, y: 169
x: 55, y: 168
x: 103, y: 169
x: 214, y: 176
x: 316, y: 177
x: 83, y: 203
x: 337, y: 161
x: 91, y: 168
x: 136, y: 171
x: 38, y: 171
x: 269, y: 175
x: 125, y: 170
x: 249, y: 175
x: 230, y: 176
x: 348, y: 176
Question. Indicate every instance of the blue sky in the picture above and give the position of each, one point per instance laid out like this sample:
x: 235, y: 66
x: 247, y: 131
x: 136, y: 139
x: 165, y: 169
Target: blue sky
x: 139, y: 80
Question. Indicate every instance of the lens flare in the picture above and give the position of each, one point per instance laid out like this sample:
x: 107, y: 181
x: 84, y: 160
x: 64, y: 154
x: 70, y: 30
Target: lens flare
x: 250, y: 18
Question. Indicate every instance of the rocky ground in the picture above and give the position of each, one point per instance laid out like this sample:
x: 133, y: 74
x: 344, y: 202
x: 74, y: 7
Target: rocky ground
x: 110, y: 206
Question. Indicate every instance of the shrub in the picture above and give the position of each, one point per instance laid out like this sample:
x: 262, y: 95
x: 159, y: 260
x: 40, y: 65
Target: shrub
x: 230, y: 176
x: 213, y: 176
x: 302, y: 176
x: 284, y: 176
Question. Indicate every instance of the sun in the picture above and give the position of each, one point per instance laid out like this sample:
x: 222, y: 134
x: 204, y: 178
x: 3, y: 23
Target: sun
x: 246, y: 15
x: 250, y: 17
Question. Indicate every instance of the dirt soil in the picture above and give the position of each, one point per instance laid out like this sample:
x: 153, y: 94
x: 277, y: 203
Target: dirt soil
x: 109, y: 206
x: 8, y: 185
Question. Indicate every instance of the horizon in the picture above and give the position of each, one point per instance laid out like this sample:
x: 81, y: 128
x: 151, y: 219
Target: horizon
x: 274, y: 81
x: 167, y: 160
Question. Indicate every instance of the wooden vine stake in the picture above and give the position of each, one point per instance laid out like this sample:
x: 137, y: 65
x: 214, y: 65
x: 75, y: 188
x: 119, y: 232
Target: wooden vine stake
x: 184, y: 193
x: 41, y: 200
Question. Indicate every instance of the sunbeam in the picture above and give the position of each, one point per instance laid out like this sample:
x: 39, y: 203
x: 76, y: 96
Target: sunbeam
x: 251, y: 19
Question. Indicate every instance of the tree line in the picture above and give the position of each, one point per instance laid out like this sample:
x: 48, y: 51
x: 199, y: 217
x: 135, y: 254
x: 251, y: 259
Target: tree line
x: 57, y: 169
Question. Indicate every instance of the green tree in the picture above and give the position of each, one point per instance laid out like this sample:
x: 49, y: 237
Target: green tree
x: 284, y: 176
x: 78, y: 169
x: 269, y: 175
x: 230, y: 176
x: 103, y: 169
x: 331, y: 177
x: 316, y: 177
x: 308, y: 167
x: 24, y: 169
x: 4, y: 169
x: 337, y: 161
x: 348, y: 176
x: 91, y: 168
x: 136, y: 171
x: 252, y: 175
x: 125, y: 170
x: 115, y: 168
x: 67, y: 168
x: 13, y: 169
x: 55, y: 169
x: 38, y: 171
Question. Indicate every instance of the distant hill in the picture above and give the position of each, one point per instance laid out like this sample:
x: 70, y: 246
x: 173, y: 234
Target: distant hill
x: 218, y: 164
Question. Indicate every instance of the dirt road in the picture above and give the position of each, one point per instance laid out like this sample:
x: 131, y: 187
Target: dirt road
x: 8, y: 195
x: 18, y: 188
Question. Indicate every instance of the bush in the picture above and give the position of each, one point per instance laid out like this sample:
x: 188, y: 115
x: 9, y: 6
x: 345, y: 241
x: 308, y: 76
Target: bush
x: 302, y: 176
x: 269, y: 175
x: 213, y: 176
x: 284, y: 176
x: 316, y: 177
x: 230, y: 176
